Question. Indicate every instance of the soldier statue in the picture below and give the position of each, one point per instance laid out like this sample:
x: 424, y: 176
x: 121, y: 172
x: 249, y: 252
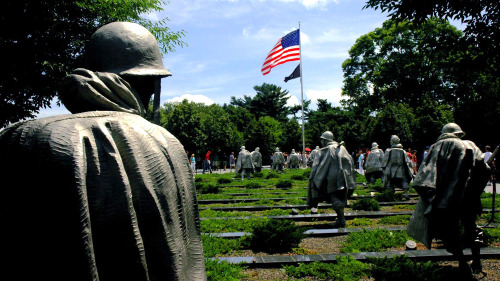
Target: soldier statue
x: 294, y: 159
x: 244, y: 164
x: 257, y: 159
x: 101, y: 194
x: 397, y: 168
x: 278, y: 160
x: 374, y: 164
x: 313, y: 154
x: 450, y: 182
x: 332, y: 176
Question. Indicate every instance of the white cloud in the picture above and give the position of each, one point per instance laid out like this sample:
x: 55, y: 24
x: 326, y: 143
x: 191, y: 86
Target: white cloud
x: 331, y: 95
x: 194, y: 98
x: 292, y: 100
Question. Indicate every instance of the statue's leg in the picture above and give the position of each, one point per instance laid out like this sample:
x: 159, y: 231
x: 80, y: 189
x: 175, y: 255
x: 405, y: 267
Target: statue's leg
x: 337, y: 200
x: 406, y: 186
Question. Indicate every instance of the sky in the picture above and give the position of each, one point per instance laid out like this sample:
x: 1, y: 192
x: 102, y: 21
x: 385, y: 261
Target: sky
x: 228, y: 41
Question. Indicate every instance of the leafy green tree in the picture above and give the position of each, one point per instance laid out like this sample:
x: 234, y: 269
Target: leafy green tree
x: 267, y: 135
x: 482, y: 27
x: 292, y: 136
x: 270, y: 100
x: 221, y: 134
x: 400, y: 62
x: 44, y: 40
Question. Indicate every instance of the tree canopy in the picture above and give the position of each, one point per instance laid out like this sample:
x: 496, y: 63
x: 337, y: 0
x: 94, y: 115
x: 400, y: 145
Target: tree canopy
x: 42, y: 41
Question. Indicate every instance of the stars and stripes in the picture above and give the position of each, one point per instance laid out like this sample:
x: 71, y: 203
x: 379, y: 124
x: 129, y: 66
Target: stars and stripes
x: 287, y: 49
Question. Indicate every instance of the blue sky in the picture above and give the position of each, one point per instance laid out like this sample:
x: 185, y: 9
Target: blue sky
x: 228, y: 41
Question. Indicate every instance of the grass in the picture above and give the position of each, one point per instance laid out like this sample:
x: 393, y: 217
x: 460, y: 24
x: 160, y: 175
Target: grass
x: 223, y: 270
x: 373, y: 241
x: 395, y: 220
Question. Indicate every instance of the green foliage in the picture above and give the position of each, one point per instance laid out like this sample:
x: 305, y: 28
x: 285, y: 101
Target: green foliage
x: 63, y: 27
x: 209, y: 213
x: 276, y: 236
x: 346, y: 269
x: 258, y: 174
x: 307, y: 173
x: 360, y: 222
x: 360, y: 178
x: 209, y: 188
x: 198, y: 179
x: 365, y: 204
x: 298, y: 177
x: 272, y: 175
x: 373, y: 240
x: 213, y: 246
x: 492, y: 235
x: 388, y: 196
x: 223, y: 270
x: 253, y: 185
x: 229, y: 225
x: 402, y: 268
x: 224, y: 180
x: 285, y: 184
x: 395, y: 220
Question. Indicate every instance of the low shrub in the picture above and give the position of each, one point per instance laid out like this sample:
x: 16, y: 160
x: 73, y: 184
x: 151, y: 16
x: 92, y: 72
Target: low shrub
x: 373, y: 240
x: 229, y: 225
x: 491, y: 235
x: 285, y: 184
x: 402, y: 268
x: 198, y: 185
x: 397, y: 220
x: 360, y: 178
x: 298, y: 177
x: 209, y: 188
x: 365, y: 204
x: 276, y: 236
x: 346, y: 269
x: 361, y: 222
x: 198, y: 180
x: 213, y: 245
x: 224, y: 180
x: 253, y: 185
x: 272, y: 175
x: 388, y: 196
x: 258, y: 174
x: 223, y: 270
x: 307, y: 173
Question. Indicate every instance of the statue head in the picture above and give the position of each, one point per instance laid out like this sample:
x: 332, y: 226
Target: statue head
x: 293, y: 150
x: 452, y: 128
x: 374, y: 145
x: 395, y: 140
x: 257, y: 149
x: 317, y: 147
x: 242, y: 148
x: 129, y: 50
x: 277, y: 149
x: 326, y: 137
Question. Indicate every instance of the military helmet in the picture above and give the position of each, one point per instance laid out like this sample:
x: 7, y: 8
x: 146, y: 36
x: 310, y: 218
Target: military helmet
x: 125, y: 48
x: 327, y: 136
x: 452, y: 128
x: 374, y: 145
x: 395, y: 139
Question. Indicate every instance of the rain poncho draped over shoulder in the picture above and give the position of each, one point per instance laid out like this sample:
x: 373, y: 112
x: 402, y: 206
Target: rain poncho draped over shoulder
x: 98, y: 195
x: 451, y: 178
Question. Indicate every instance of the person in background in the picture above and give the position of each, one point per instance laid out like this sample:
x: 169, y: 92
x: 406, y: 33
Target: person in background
x: 232, y: 162
x: 206, y: 163
x: 193, y: 163
x: 361, y: 158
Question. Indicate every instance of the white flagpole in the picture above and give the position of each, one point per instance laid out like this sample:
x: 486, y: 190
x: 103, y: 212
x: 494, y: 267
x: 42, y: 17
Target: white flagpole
x: 302, y: 102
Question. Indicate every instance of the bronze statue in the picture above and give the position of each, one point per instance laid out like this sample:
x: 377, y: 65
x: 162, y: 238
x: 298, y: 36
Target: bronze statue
x: 313, y: 154
x: 257, y: 159
x: 374, y: 164
x: 244, y: 164
x: 101, y: 194
x: 450, y: 182
x: 397, y: 167
x: 332, y: 176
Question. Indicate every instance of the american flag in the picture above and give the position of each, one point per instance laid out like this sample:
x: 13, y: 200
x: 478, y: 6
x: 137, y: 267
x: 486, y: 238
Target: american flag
x: 287, y: 49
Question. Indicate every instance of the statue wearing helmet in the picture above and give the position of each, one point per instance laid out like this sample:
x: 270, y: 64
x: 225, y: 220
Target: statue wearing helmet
x: 332, y: 177
x: 109, y: 196
x: 374, y: 164
x: 278, y: 161
x: 294, y: 160
x: 244, y: 164
x: 257, y: 159
x: 397, y: 168
x: 450, y: 182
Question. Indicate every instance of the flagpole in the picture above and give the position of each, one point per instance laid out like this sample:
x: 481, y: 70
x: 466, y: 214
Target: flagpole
x: 302, y: 102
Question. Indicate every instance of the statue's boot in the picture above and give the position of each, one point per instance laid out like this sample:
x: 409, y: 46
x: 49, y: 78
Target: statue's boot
x: 406, y: 196
x: 340, y: 221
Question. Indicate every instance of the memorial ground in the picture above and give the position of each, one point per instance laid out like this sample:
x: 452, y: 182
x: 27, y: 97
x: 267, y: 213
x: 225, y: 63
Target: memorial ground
x: 233, y: 211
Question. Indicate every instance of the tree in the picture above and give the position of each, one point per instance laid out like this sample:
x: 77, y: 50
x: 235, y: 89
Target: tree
x: 401, y: 62
x: 479, y: 16
x: 270, y: 100
x: 292, y: 136
x: 266, y: 136
x: 42, y: 41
